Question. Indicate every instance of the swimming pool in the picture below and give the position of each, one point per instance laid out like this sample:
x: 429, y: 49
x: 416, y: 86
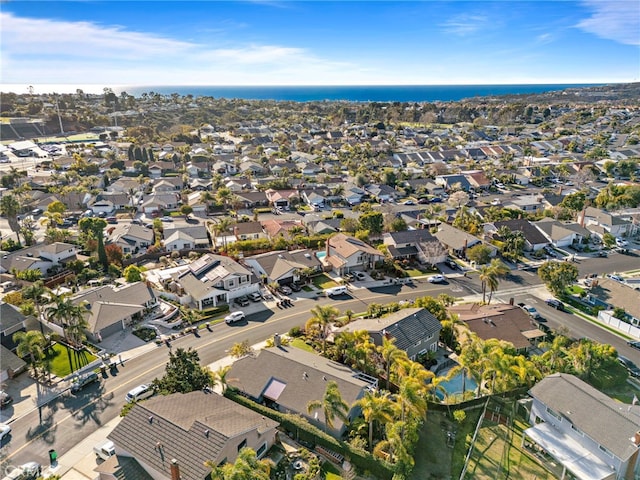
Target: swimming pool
x: 454, y: 386
x: 321, y: 255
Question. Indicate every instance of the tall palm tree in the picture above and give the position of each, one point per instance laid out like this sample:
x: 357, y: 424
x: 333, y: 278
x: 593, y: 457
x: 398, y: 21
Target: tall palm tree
x: 71, y: 317
x: 221, y: 377
x: 10, y: 207
x: 390, y: 354
x: 332, y: 405
x: 31, y: 344
x: 498, y: 271
x: 36, y: 292
x: 376, y: 407
x: 323, y: 317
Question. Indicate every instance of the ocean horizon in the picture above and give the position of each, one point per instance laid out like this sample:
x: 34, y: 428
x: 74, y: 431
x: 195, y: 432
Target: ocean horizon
x: 359, y: 93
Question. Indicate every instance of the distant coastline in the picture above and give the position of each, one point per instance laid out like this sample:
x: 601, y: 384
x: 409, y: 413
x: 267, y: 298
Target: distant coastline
x: 376, y: 93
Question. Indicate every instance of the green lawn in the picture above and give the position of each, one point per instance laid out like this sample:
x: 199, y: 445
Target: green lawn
x: 323, y: 281
x: 575, y: 289
x: 415, y: 272
x: 302, y: 345
x: 66, y: 360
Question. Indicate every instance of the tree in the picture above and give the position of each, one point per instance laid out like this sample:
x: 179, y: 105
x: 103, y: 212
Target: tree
x: 30, y: 344
x: 186, y: 210
x: 36, y: 292
x: 183, y: 373
x: 132, y: 274
x: 390, y: 354
x: 609, y: 240
x: 372, y: 221
x: 10, y: 207
x: 376, y: 407
x: 481, y: 254
x: 94, y: 228
x: 574, y: 201
x: 557, y: 276
x: 323, y: 317
x: 246, y: 467
x: 458, y: 199
x: 498, y: 270
x: 114, y: 254
x: 332, y: 405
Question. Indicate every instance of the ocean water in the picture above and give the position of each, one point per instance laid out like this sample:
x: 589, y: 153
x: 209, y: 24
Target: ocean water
x: 377, y: 93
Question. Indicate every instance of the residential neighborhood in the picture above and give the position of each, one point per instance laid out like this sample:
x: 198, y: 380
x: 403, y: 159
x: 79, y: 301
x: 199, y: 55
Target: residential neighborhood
x: 318, y: 294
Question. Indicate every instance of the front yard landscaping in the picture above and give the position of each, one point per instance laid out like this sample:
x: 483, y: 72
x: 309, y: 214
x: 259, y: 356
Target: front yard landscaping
x: 323, y: 282
x: 64, y: 360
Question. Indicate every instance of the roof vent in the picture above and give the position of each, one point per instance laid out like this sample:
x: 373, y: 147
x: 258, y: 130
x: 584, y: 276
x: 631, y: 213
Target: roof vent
x: 151, y: 419
x: 206, y: 433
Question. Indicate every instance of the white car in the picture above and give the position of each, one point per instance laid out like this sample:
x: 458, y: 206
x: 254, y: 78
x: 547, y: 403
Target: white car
x: 495, y: 201
x: 621, y: 243
x: 436, y: 279
x: 4, y: 431
x: 234, y: 317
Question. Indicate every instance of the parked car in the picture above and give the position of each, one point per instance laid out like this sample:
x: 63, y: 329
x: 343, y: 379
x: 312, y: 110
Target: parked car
x: 166, y: 219
x: 603, y: 254
x: 27, y: 471
x: 631, y: 367
x: 621, y: 243
x: 234, y: 317
x: 436, y: 279
x: 634, y: 344
x: 409, y: 202
x: 295, y: 287
x: 84, y: 380
x: 255, y: 297
x: 5, y: 399
x: 112, y: 220
x: 285, y: 290
x: 533, y: 313
x: 557, y: 304
x: 105, y: 450
x: 5, y: 430
x: 451, y: 264
x: 243, y: 301
x: 36, y: 211
x: 617, y: 278
x: 360, y: 275
x: 141, y: 392
x: 350, y: 277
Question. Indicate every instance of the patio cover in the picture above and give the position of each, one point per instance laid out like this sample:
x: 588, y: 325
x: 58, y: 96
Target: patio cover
x: 274, y: 389
x: 571, y: 455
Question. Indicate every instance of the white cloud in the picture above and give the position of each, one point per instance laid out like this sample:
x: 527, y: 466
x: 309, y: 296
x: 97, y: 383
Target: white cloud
x: 613, y: 20
x: 463, y: 25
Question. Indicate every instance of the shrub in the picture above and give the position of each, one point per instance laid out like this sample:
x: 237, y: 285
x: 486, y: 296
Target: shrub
x: 296, y: 332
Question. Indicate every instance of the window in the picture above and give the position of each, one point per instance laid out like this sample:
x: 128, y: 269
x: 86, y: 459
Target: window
x: 605, y: 451
x: 554, y: 414
x: 242, y: 444
x: 261, y: 450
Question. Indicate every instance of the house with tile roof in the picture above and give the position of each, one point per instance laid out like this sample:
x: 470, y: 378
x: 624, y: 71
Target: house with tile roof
x: 458, y: 241
x: 119, y: 467
x: 561, y: 234
x: 588, y: 446
x: 286, y: 379
x: 609, y: 294
x: 12, y: 365
x: 131, y: 238
x: 500, y: 321
x: 616, y: 225
x: 38, y: 257
x: 213, y: 428
x: 214, y: 280
x: 190, y: 236
x: 283, y: 267
x: 415, y: 330
x: 414, y: 245
x: 249, y: 231
x: 534, y: 239
x: 112, y: 309
x: 347, y: 254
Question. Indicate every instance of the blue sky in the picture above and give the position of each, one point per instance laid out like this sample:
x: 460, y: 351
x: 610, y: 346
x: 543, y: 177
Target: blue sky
x: 91, y: 45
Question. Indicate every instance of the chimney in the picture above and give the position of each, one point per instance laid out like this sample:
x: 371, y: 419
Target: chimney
x: 327, y: 247
x: 175, y: 469
x: 636, y: 439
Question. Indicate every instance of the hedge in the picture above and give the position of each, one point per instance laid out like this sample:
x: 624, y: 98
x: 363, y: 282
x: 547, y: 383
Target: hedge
x: 312, y: 434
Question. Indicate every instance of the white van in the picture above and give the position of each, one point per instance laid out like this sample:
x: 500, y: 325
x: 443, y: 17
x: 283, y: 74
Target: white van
x: 341, y: 290
x: 140, y: 393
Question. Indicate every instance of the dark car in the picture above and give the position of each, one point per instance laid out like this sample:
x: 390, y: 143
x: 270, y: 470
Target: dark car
x: 631, y: 367
x: 557, y: 304
x: 634, y: 344
x: 243, y: 301
x: 451, y: 264
x: 295, y: 287
x: 603, y: 254
x: 5, y: 399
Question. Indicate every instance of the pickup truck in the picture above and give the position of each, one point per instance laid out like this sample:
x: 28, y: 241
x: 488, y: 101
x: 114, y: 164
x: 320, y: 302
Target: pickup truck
x: 533, y: 313
x: 28, y: 471
x: 105, y: 450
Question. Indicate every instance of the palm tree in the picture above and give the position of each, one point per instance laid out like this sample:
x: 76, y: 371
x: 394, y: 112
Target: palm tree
x: 376, y: 407
x: 70, y: 316
x: 498, y: 271
x: 221, y: 377
x: 31, y: 344
x: 323, y: 317
x: 10, y: 207
x: 332, y: 405
x: 75, y: 330
x: 390, y: 353
x: 36, y: 292
x: 485, y: 276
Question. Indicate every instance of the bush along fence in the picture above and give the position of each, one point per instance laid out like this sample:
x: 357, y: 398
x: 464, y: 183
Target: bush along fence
x: 304, y: 432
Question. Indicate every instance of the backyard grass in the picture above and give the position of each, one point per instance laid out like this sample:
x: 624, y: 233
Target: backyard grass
x: 497, y: 452
x: 575, y: 290
x: 323, y: 281
x: 302, y: 345
x: 64, y: 360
